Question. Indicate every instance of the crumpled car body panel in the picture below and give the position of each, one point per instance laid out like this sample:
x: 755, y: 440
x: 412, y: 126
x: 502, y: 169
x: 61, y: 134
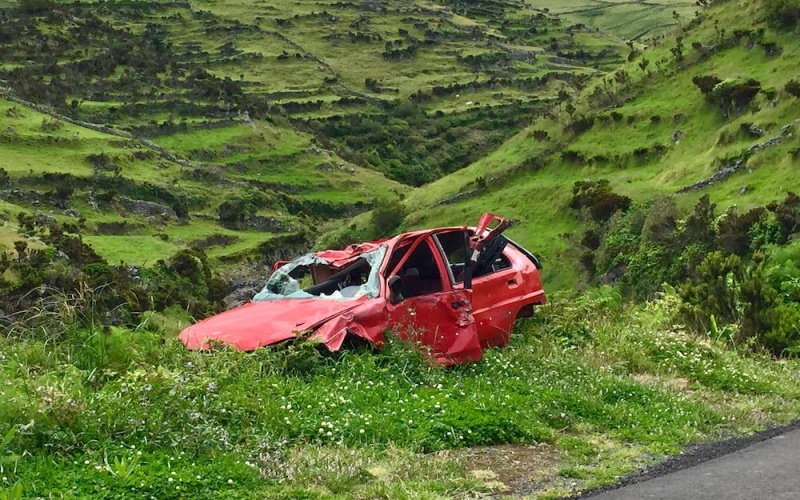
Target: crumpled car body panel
x: 454, y: 291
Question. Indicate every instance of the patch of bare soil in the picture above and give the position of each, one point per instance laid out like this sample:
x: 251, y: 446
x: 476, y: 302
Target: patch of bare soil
x: 513, y: 469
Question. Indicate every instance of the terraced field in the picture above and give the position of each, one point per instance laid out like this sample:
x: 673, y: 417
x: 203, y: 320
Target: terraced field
x: 632, y: 20
x: 294, y: 115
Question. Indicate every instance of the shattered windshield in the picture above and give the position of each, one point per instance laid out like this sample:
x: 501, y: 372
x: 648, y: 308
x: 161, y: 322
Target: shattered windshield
x: 312, y: 277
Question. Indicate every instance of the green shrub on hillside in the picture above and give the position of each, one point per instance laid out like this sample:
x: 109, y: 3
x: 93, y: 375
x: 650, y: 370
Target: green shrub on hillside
x: 733, y: 95
x: 34, y: 6
x: 724, y: 290
x: 720, y: 262
x: 50, y: 290
x: 386, y: 217
x: 597, y: 200
x: 793, y: 87
x: 784, y: 14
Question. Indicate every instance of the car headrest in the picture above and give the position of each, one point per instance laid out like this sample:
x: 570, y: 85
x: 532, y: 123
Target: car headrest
x: 411, y: 272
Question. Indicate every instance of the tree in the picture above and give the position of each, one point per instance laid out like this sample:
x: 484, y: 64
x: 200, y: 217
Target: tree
x: 386, y: 217
x: 706, y: 83
x: 34, y: 6
x: 793, y: 88
x: 733, y: 95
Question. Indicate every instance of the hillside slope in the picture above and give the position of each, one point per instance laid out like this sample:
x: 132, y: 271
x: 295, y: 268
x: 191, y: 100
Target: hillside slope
x: 649, y: 130
x: 247, y: 119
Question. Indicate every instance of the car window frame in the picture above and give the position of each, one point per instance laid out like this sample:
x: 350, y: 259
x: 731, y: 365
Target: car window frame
x: 438, y: 258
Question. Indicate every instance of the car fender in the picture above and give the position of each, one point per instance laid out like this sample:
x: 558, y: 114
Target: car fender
x: 366, y: 321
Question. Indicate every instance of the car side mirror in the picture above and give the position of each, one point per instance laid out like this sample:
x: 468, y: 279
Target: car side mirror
x: 395, y: 288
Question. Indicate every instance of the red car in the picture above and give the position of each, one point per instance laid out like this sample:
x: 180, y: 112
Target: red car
x: 455, y: 290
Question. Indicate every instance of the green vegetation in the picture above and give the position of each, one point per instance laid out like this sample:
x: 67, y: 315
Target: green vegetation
x: 306, y: 112
x: 153, y: 145
x: 649, y: 131
x: 132, y: 413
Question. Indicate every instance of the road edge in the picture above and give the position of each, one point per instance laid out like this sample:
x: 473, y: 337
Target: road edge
x: 692, y: 456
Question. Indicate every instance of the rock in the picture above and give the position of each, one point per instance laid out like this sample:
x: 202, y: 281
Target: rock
x: 148, y: 208
x: 45, y: 220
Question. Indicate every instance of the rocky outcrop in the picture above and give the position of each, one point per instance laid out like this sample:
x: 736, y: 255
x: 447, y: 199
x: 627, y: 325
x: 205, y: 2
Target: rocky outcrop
x: 148, y: 208
x: 737, y: 163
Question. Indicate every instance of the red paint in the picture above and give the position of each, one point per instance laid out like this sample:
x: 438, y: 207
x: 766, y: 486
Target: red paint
x: 430, y: 305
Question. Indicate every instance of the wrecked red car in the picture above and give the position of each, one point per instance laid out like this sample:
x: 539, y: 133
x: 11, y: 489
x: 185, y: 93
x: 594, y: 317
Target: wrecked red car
x: 455, y: 290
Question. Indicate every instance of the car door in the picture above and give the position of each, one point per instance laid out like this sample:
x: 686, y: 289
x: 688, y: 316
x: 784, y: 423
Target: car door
x: 426, y: 308
x: 495, y: 285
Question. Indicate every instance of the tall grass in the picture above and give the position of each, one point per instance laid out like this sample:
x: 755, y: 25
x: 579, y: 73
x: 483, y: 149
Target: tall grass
x: 140, y: 410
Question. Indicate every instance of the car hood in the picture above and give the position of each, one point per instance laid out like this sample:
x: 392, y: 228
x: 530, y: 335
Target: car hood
x: 258, y: 324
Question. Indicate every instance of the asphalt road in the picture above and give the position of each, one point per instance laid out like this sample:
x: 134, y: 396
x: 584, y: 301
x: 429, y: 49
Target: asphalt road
x: 766, y: 469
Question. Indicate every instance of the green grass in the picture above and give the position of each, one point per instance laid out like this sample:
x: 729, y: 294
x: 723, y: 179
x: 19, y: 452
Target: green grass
x: 630, y: 20
x: 540, y: 199
x: 608, y: 388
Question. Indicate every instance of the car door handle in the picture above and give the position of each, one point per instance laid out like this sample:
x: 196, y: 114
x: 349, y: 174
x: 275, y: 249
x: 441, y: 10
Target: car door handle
x: 512, y: 281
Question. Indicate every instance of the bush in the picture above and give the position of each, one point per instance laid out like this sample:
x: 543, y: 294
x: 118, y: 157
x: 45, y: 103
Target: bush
x: 724, y: 290
x: 706, y: 83
x: 784, y: 14
x: 386, y: 217
x: 34, y: 6
x: 793, y: 87
x: 733, y: 95
x: 711, y: 291
x: 597, y: 199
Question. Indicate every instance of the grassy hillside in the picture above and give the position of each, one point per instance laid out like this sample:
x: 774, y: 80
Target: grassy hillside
x: 245, y: 128
x: 638, y: 20
x: 648, y: 130
x: 292, y: 114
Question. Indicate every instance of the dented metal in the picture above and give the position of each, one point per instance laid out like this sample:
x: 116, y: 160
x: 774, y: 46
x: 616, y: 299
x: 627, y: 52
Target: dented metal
x: 454, y: 290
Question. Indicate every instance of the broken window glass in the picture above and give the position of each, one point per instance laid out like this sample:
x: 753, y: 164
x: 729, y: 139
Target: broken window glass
x: 312, y: 277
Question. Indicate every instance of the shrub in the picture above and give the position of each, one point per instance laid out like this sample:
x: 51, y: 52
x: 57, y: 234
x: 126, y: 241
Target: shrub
x: 733, y: 95
x: 699, y: 226
x: 540, y: 135
x: 386, y: 217
x: 793, y: 87
x: 735, y: 231
x: 784, y: 14
x: 725, y: 290
x: 706, y: 83
x: 34, y: 6
x: 597, y: 199
x: 787, y: 214
x: 711, y: 291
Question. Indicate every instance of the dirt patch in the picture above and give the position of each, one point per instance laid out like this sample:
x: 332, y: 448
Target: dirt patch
x: 513, y: 469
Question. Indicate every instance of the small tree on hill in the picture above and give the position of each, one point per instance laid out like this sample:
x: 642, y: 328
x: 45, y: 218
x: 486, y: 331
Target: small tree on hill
x: 386, y: 217
x: 706, y: 83
x: 793, y: 87
x: 733, y: 95
x: 34, y: 6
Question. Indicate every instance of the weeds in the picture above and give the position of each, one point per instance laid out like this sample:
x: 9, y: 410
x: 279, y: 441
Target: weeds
x: 140, y: 407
